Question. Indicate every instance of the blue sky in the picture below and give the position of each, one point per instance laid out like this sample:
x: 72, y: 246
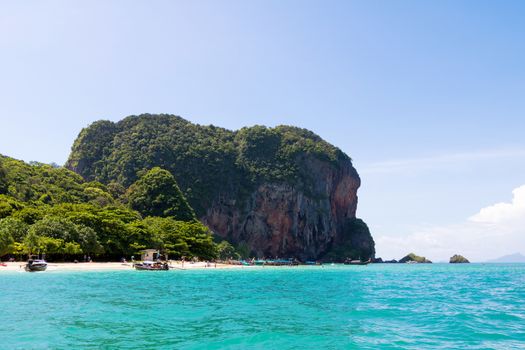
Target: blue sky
x: 426, y: 97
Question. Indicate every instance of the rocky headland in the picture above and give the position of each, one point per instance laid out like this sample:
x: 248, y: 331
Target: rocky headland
x: 279, y: 191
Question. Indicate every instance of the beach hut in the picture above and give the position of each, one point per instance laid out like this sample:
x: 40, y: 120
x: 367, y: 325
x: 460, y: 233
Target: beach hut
x: 150, y: 255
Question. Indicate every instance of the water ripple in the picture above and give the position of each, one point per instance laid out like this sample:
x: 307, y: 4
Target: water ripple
x: 372, y: 307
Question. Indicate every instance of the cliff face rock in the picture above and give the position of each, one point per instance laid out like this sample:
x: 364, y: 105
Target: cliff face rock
x: 277, y: 191
x: 281, y: 220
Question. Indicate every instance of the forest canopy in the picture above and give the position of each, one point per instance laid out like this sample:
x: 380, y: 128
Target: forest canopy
x: 204, y: 160
x: 144, y: 181
x: 52, y: 210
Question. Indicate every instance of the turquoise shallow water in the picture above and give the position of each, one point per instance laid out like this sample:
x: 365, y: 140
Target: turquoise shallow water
x: 436, y: 306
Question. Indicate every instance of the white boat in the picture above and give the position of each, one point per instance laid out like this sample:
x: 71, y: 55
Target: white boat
x: 152, y: 266
x: 36, y: 265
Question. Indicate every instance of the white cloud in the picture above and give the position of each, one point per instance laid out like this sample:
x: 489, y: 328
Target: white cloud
x: 494, y: 231
x: 502, y: 212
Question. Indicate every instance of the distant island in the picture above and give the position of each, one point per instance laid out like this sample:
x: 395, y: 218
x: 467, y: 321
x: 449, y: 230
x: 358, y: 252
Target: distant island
x: 410, y: 258
x: 458, y: 259
x: 414, y: 258
x: 159, y: 181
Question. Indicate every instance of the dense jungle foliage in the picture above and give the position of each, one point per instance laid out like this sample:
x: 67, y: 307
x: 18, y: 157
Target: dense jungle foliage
x: 52, y: 210
x: 206, y: 161
x: 143, y: 182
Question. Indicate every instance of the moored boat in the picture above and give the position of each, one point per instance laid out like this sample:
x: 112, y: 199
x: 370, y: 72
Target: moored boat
x: 356, y: 262
x: 152, y: 266
x: 282, y: 262
x: 36, y: 265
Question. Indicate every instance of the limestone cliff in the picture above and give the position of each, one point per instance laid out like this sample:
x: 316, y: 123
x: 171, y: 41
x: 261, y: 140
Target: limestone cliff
x: 276, y: 191
x: 279, y: 219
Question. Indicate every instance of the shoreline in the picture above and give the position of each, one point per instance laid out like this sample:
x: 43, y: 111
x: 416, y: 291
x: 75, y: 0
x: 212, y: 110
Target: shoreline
x: 18, y: 266
x: 115, y: 266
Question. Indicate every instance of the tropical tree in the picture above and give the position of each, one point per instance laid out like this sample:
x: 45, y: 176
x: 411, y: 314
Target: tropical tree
x: 3, y: 179
x: 30, y: 215
x: 156, y: 193
x: 50, y: 245
x: 199, y: 239
x: 32, y: 242
x: 167, y: 235
x: 89, y: 242
x: 9, y: 205
x: 226, y: 251
x: 55, y: 227
x: 98, y: 196
x: 16, y: 228
x: 6, y: 242
x: 71, y: 248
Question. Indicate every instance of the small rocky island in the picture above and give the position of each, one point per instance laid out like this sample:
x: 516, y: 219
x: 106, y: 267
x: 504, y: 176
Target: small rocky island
x: 458, y: 259
x: 413, y: 258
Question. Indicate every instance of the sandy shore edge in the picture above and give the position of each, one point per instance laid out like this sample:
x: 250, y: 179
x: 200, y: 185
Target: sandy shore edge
x: 115, y: 266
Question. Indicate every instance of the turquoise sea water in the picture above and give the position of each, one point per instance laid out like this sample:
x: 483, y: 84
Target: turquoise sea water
x: 436, y: 306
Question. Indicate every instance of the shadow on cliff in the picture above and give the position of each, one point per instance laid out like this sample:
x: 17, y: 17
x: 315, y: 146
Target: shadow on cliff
x: 354, y: 242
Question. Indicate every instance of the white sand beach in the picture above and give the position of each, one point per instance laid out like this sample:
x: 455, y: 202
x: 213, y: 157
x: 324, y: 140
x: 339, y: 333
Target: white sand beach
x: 115, y: 266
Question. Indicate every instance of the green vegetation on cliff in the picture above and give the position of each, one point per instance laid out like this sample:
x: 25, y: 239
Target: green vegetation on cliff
x: 205, y: 160
x: 156, y: 193
x: 144, y: 181
x: 3, y: 179
x: 42, y: 183
x: 220, y: 173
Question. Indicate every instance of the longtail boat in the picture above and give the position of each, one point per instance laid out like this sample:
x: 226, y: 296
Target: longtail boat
x: 152, y: 266
x: 357, y: 262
